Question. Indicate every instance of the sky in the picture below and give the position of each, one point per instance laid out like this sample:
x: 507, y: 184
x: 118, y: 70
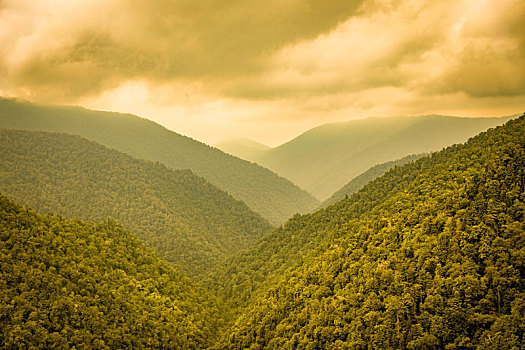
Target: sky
x: 266, y: 70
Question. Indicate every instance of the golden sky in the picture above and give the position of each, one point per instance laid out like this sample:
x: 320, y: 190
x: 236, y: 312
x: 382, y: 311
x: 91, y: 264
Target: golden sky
x: 268, y: 70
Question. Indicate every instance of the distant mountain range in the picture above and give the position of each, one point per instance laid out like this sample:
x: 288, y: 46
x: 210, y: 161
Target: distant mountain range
x: 428, y: 255
x: 272, y: 196
x: 325, y: 158
x: 243, y: 148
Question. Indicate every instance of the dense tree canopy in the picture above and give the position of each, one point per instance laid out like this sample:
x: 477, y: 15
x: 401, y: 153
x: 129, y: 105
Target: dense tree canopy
x: 190, y: 223
x: 437, y: 263
x: 72, y: 284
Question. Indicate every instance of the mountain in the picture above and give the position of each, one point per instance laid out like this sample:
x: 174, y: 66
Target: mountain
x: 428, y: 256
x: 325, y: 158
x: 188, y: 221
x: 243, y: 148
x: 72, y: 284
x: 272, y: 196
x: 246, y: 275
x: 361, y: 180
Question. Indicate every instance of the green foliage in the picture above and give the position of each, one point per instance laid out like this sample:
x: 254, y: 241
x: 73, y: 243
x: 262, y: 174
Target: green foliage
x: 71, y: 284
x: 429, y: 256
x: 325, y: 158
x: 360, y: 181
x: 188, y: 221
x: 274, y: 197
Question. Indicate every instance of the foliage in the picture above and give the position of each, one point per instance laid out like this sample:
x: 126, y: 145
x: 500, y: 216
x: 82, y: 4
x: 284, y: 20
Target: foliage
x: 244, y: 276
x: 188, y: 221
x: 72, y: 284
x: 272, y: 196
x: 437, y: 263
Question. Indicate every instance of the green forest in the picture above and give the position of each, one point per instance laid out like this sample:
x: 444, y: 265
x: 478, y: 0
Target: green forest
x: 188, y: 221
x: 102, y: 249
x: 72, y: 284
x: 427, y: 258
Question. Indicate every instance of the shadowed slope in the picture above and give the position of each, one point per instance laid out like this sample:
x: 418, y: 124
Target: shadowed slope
x: 361, y: 180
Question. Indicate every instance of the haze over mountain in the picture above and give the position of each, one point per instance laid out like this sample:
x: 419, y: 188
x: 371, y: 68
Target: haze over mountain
x: 430, y: 255
x: 364, y: 178
x: 327, y: 157
x: 272, y: 196
x: 266, y: 71
x: 243, y: 148
x: 188, y: 221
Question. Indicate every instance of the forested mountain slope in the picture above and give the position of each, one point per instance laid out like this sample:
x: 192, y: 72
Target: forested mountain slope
x: 325, y: 158
x: 71, y: 284
x: 437, y: 264
x: 244, y: 276
x: 188, y: 221
x: 361, y: 180
x: 270, y: 195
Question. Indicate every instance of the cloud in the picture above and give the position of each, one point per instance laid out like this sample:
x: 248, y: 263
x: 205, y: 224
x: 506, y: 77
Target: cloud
x: 431, y: 47
x: 87, y: 46
x: 488, y: 55
x: 247, y: 66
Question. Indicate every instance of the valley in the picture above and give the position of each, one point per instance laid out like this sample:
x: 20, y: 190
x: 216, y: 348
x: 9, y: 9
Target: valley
x: 123, y: 241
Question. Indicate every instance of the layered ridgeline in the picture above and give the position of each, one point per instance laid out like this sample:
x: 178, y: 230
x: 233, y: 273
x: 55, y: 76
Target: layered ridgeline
x: 429, y: 256
x: 71, y: 284
x: 325, y: 158
x: 270, y: 195
x: 188, y: 221
x: 361, y: 180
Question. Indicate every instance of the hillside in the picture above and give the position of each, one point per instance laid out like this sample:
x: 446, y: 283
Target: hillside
x: 188, y: 221
x: 243, y: 148
x: 246, y: 275
x: 436, y: 262
x: 361, y: 180
x: 72, y: 284
x: 325, y: 158
x: 274, y: 197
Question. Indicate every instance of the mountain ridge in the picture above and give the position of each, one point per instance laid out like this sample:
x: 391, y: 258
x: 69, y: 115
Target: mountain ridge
x: 75, y: 284
x: 267, y: 193
x: 323, y: 159
x: 187, y: 220
x: 435, y: 262
x: 364, y: 178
